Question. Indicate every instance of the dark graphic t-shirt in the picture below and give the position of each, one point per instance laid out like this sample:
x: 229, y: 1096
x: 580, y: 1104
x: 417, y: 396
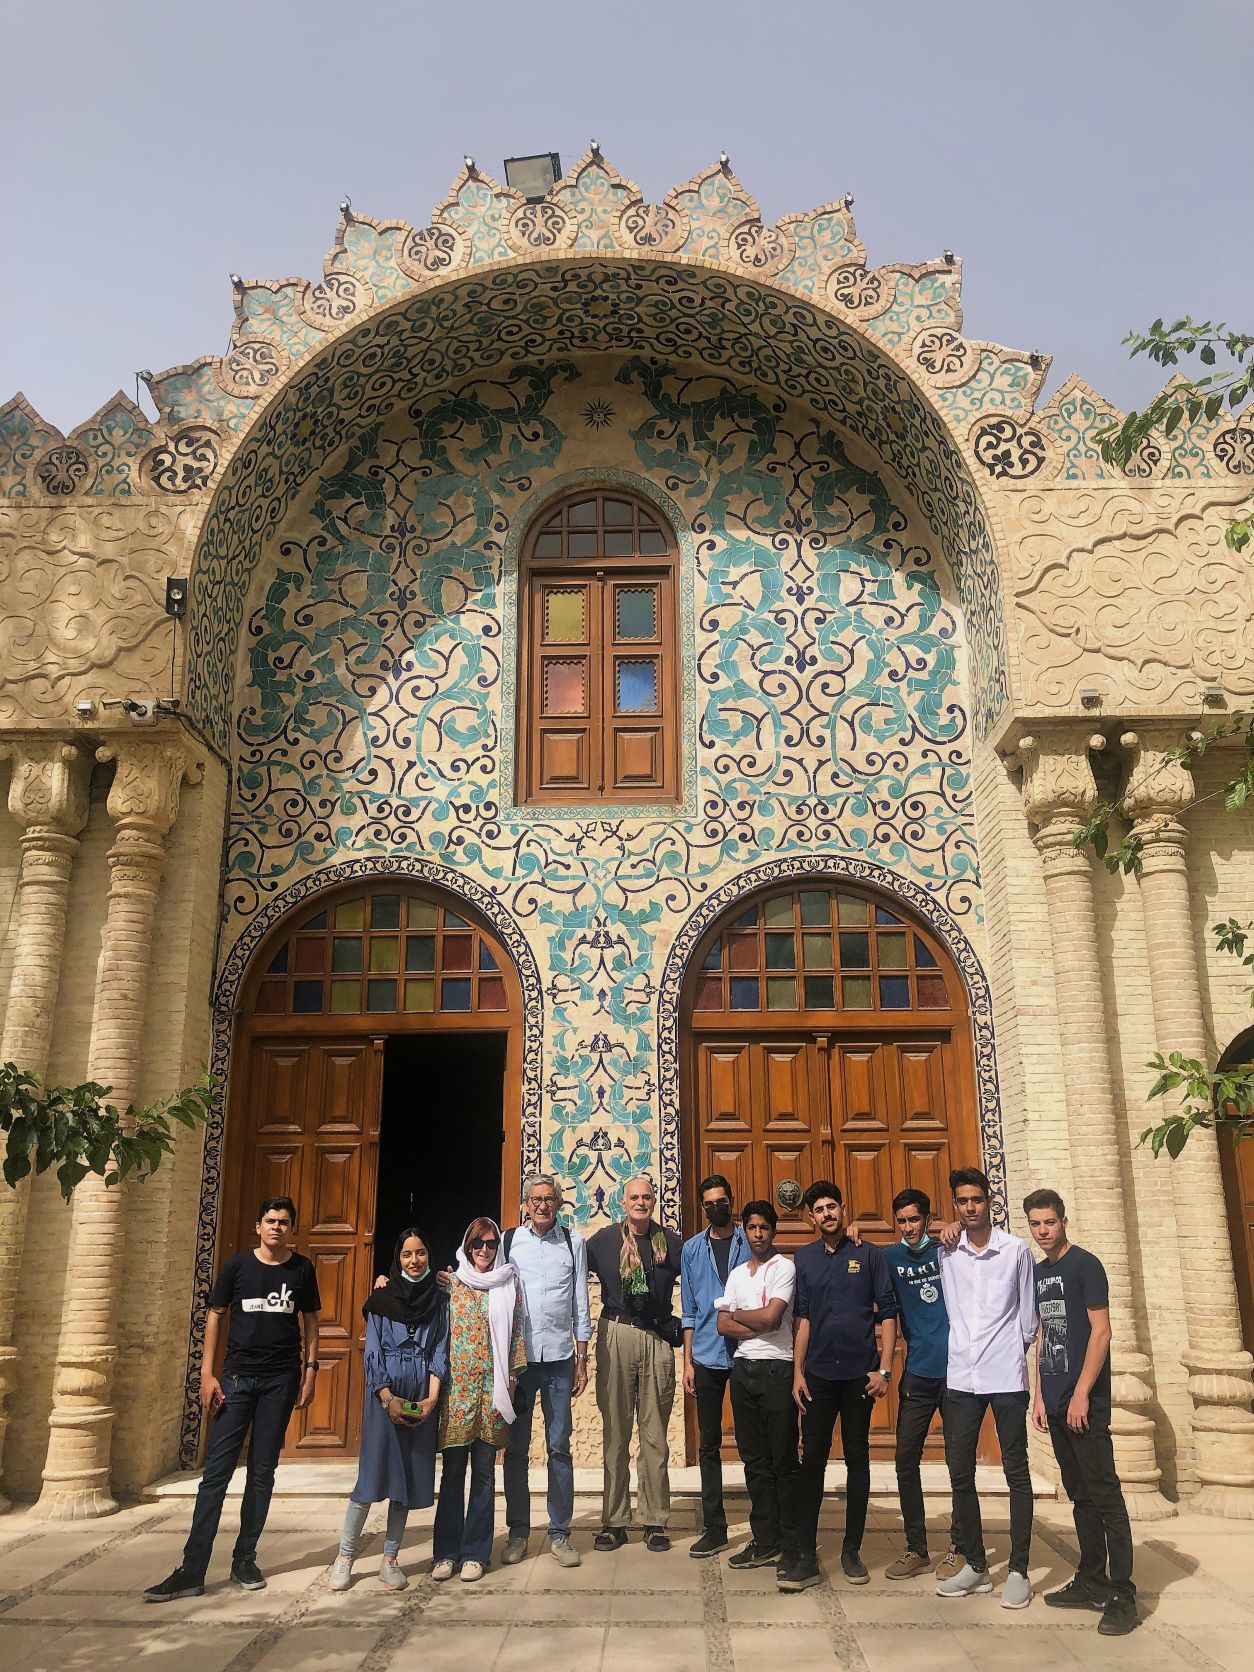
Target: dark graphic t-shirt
x: 721, y: 1248
x: 1064, y: 1292
x: 266, y: 1302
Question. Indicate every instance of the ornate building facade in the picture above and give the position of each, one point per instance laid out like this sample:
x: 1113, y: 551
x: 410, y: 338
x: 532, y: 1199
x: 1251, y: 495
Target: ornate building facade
x: 642, y: 675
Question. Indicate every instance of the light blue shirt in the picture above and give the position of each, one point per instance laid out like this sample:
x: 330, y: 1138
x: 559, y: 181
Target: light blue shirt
x: 555, y: 1291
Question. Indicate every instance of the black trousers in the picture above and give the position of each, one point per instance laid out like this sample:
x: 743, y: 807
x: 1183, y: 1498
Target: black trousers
x: 921, y: 1397
x: 829, y: 1401
x: 1086, y: 1463
x: 264, y: 1405
x: 963, y: 1415
x: 711, y: 1387
x: 766, y: 1438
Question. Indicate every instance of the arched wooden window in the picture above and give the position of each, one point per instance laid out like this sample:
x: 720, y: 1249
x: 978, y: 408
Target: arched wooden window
x: 598, y: 713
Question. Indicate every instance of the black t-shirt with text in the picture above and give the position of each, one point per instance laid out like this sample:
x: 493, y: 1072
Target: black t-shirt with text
x: 1065, y: 1290
x: 266, y: 1302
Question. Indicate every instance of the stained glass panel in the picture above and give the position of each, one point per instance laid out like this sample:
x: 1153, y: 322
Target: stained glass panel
x: 820, y: 992
x: 744, y: 993
x: 458, y: 950
x: 306, y: 998
x: 420, y: 953
x: 565, y: 688
x: 636, y: 612
x: 894, y: 992
x: 380, y: 995
x: 781, y: 952
x: 778, y: 912
x: 452, y: 921
x: 709, y: 993
x: 850, y: 911
x: 351, y: 915
x: 486, y: 960
x: 422, y: 914
x: 346, y: 954
x: 743, y: 951
x: 815, y: 909
x: 855, y: 951
x: 278, y: 964
x: 714, y: 957
x: 384, y: 954
x: 272, y: 998
x: 855, y: 992
x: 932, y: 993
x: 419, y: 995
x: 564, y: 616
x: 345, y: 997
x: 781, y: 994
x: 310, y: 955
x: 637, y: 687
x: 492, y: 994
x: 891, y: 951
x: 455, y: 995
x: 923, y: 959
x: 883, y: 915
x: 385, y: 911
x: 817, y: 951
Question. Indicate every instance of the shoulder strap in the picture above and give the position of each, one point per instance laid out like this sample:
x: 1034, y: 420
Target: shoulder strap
x: 508, y: 1241
x: 569, y: 1244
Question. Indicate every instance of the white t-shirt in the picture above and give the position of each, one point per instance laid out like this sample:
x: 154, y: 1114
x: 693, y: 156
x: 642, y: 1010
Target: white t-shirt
x: 745, y: 1292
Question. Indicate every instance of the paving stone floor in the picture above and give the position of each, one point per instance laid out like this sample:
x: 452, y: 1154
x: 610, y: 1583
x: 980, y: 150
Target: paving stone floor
x: 70, y: 1602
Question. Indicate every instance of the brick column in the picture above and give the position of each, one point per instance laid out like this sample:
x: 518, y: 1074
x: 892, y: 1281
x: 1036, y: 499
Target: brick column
x: 1159, y: 789
x: 48, y: 798
x: 1058, y: 795
x: 143, y: 803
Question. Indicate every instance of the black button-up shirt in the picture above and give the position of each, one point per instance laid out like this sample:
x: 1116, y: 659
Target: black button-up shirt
x: 842, y: 1294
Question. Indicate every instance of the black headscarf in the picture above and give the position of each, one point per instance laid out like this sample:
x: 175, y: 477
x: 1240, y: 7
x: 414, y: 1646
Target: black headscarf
x: 405, y: 1302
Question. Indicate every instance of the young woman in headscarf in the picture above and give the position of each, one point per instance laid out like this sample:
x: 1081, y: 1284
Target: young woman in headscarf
x: 486, y: 1353
x: 406, y: 1364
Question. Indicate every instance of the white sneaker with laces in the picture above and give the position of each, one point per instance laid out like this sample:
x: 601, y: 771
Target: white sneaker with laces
x: 965, y: 1583
x: 471, y: 1571
x: 443, y: 1570
x: 340, y: 1576
x: 390, y: 1575
x: 1017, y: 1591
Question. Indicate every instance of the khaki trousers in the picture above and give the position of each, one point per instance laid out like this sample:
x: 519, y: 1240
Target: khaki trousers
x: 635, y: 1383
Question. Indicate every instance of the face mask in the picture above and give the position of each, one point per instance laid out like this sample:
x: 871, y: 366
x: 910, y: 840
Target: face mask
x: 421, y: 1278
x: 718, y: 1213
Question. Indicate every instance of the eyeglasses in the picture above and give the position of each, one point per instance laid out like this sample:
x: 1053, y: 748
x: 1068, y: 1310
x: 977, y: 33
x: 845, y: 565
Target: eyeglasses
x: 484, y: 1242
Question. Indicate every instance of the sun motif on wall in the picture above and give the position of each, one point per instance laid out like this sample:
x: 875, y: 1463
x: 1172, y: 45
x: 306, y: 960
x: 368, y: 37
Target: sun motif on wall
x: 598, y: 415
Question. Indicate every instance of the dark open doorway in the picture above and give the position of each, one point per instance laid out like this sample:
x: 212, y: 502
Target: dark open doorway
x: 440, y: 1138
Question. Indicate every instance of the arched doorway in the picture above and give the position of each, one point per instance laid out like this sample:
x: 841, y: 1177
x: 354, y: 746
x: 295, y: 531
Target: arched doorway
x: 1236, y: 1158
x: 826, y: 1034
x: 377, y: 1052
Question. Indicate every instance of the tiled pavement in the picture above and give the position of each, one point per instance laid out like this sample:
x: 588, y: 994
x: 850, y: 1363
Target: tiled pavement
x: 70, y: 1602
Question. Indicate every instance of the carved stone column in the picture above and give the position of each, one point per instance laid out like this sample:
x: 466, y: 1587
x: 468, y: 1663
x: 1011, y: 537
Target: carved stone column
x: 48, y: 798
x: 1159, y: 789
x: 143, y: 803
x: 1058, y: 795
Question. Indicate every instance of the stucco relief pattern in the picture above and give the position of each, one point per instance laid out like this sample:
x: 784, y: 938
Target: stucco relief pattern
x: 1134, y: 595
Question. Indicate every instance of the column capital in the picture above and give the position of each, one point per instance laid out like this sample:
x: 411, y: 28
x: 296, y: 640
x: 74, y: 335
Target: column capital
x: 48, y: 789
x: 1159, y: 785
x: 147, y: 782
x: 1058, y: 780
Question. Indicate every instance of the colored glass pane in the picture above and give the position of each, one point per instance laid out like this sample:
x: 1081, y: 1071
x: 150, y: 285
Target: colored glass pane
x: 384, y: 954
x: 345, y: 997
x: 744, y: 993
x: 855, y: 951
x: 778, y: 912
x: 453, y: 921
x: 652, y: 542
x: 306, y: 998
x: 455, y: 995
x: 890, y: 949
x: 385, y: 911
x: 743, y: 951
x: 317, y: 922
x: 565, y: 688
x: 894, y: 992
x: 486, y: 960
x: 714, y: 957
x: 781, y: 994
x: 351, y: 915
x: 380, y: 995
x: 272, y: 998
x: 815, y: 909
x: 492, y: 993
x: 311, y: 953
x: 883, y: 915
x: 582, y: 514
x: 781, y: 952
x: 932, y: 993
x: 419, y: 995
x: 820, y: 992
x: 850, y: 911
x: 421, y: 914
x: 345, y: 954
x: 420, y: 952
x: 855, y: 992
x: 549, y: 545
x: 582, y: 544
x: 457, y: 952
x: 278, y: 964
x: 618, y: 513
x: 923, y: 959
x: 637, y: 687
x: 636, y: 612
x: 709, y: 993
x: 747, y: 919
x: 816, y: 951
x: 564, y: 616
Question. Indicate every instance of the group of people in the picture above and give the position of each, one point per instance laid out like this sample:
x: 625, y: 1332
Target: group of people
x: 455, y: 1362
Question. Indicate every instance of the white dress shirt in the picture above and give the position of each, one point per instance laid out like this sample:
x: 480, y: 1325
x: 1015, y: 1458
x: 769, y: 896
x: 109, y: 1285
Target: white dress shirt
x: 991, y: 1300
x: 555, y: 1291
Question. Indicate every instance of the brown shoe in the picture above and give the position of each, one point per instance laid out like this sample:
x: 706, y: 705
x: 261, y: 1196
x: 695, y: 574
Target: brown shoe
x: 907, y: 1565
x: 950, y: 1564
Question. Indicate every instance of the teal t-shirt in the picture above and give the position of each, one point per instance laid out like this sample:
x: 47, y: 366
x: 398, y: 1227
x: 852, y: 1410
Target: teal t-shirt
x: 916, y: 1282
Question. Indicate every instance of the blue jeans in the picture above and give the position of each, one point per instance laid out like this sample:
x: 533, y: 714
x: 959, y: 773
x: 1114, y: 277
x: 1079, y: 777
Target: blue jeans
x: 262, y: 1404
x: 553, y: 1381
x: 463, y: 1532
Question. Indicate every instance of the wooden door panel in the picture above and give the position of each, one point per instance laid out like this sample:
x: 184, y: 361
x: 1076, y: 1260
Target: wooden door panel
x: 725, y: 1097
x: 867, y: 1177
x: 921, y: 1078
x: 922, y: 1166
x: 325, y: 1426
x: 279, y: 1089
x: 277, y: 1170
x: 780, y: 1161
x: 334, y: 1189
x: 858, y: 1100
x: 336, y: 1271
x: 735, y: 1162
x: 342, y: 1104
x: 785, y: 1104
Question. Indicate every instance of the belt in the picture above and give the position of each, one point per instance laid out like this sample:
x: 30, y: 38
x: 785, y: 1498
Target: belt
x: 615, y: 1317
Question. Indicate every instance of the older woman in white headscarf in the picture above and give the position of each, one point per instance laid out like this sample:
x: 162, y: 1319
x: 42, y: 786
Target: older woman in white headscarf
x: 486, y: 1352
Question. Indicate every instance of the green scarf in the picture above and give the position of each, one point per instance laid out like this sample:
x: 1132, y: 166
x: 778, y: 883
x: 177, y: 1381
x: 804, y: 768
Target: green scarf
x: 630, y: 1266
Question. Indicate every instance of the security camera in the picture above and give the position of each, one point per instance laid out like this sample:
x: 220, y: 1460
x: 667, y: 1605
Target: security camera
x: 84, y: 707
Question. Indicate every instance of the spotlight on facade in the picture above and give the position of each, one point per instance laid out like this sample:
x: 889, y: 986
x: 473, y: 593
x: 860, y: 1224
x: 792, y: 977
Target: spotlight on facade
x: 1089, y: 698
x: 175, y: 597
x: 949, y: 257
x: 84, y: 707
x: 533, y: 176
x: 1213, y: 696
x: 724, y: 161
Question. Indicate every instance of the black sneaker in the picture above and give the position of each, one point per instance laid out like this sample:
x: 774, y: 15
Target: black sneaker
x: 247, y: 1575
x: 801, y: 1575
x: 181, y: 1583
x: 610, y: 1538
x: 853, y: 1567
x: 751, y: 1556
x: 1076, y: 1594
x: 709, y: 1544
x: 656, y: 1540
x: 1119, y: 1617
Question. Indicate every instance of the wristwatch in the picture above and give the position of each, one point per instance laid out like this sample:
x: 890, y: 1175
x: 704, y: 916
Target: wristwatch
x: 886, y: 1371
x: 313, y: 1364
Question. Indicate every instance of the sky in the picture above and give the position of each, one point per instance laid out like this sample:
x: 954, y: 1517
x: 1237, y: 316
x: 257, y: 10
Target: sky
x: 1089, y: 162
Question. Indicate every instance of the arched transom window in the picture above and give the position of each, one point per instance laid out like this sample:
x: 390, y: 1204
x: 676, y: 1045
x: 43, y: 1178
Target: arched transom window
x: 598, y: 708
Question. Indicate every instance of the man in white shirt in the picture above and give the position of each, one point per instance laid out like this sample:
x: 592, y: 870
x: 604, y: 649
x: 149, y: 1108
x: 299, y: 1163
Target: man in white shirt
x: 755, y: 1312
x: 986, y: 1278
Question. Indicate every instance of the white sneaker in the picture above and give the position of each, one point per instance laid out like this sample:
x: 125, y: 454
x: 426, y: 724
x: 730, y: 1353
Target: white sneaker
x: 340, y: 1576
x: 966, y: 1583
x: 471, y: 1571
x: 1017, y: 1591
x: 390, y: 1575
x: 443, y: 1570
